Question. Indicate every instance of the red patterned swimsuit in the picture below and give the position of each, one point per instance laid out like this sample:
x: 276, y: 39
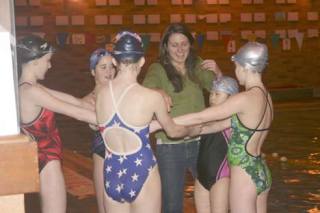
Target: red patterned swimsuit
x: 44, y: 131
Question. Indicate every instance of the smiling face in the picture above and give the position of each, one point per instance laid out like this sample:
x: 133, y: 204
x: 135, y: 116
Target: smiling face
x: 104, y: 70
x: 178, y: 48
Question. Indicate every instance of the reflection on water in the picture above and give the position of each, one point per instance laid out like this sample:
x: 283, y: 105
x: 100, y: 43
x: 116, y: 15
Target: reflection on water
x: 296, y: 182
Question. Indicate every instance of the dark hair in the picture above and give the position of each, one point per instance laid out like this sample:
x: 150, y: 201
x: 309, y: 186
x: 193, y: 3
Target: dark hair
x: 190, y: 63
x: 31, y: 47
x: 96, y: 56
x: 128, y: 47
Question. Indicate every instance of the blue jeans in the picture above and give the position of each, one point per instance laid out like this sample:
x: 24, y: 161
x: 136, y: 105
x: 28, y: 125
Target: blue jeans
x: 173, y: 161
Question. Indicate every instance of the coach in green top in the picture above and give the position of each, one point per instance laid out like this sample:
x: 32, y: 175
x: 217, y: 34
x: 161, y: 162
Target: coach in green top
x: 180, y: 76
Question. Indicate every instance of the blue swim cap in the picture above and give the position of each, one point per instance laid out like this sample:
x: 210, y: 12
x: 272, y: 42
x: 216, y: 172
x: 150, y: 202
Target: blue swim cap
x: 128, y: 45
x: 96, y: 56
x: 226, y: 84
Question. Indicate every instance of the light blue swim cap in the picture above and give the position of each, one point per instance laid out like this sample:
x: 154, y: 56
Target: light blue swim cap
x: 225, y: 84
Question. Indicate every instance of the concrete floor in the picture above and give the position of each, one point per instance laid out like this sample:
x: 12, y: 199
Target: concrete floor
x: 295, y: 134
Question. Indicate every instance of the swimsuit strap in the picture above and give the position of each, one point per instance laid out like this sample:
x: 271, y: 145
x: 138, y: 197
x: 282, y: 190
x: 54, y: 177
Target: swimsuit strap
x: 265, y: 110
x: 25, y: 82
x: 114, y: 102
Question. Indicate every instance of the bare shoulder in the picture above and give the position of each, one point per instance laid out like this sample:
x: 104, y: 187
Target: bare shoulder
x: 152, y: 94
x: 30, y: 90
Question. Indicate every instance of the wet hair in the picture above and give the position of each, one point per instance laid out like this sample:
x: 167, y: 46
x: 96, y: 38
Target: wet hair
x: 96, y: 56
x: 164, y: 57
x: 252, y: 56
x: 225, y: 84
x: 31, y: 47
x: 128, y: 47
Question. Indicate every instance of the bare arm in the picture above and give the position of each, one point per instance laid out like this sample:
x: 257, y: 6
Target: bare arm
x: 173, y: 130
x: 211, y: 65
x: 166, y: 98
x: 42, y: 98
x: 234, y: 104
x: 69, y: 98
x: 215, y: 126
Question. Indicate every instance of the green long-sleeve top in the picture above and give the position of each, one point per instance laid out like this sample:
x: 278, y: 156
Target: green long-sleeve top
x: 189, y: 99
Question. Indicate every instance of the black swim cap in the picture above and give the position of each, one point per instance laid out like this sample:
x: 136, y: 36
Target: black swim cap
x: 32, y: 47
x: 128, y: 46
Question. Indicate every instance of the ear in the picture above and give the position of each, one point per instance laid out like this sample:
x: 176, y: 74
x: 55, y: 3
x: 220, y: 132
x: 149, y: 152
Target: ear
x: 141, y: 61
x: 93, y: 73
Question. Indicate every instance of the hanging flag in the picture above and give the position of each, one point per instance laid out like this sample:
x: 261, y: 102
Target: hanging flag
x: 145, y: 41
x: 200, y: 40
x: 231, y: 48
x: 226, y: 36
x: 62, y: 38
x: 286, y: 44
x: 299, y: 39
x: 275, y: 40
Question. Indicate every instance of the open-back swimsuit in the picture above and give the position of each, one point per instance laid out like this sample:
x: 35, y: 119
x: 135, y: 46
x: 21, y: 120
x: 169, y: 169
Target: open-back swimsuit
x: 125, y: 173
x: 238, y: 154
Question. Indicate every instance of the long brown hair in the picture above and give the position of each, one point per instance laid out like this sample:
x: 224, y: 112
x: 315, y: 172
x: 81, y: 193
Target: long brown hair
x: 164, y: 58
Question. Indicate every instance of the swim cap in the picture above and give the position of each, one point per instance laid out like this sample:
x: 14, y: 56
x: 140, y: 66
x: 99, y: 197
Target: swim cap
x: 32, y: 47
x: 128, y: 45
x: 96, y: 56
x: 225, y: 84
x: 252, y: 55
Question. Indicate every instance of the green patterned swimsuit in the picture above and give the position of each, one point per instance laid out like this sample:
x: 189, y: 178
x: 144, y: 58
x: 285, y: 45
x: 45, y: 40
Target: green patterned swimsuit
x: 238, y: 155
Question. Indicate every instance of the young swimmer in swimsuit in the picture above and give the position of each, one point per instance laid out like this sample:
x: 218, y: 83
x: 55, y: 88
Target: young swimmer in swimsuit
x: 212, y: 183
x: 124, y: 111
x: 103, y: 71
x: 249, y: 114
x: 37, y: 107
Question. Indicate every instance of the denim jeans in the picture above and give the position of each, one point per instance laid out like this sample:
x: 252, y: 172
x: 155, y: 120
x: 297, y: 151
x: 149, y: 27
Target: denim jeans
x: 173, y: 161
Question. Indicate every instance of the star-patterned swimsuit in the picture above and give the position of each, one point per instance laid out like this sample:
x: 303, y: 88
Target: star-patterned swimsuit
x: 125, y: 174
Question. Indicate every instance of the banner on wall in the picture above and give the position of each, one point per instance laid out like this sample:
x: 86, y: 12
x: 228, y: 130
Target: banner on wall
x: 200, y: 40
x: 275, y: 38
x: 62, y: 39
x: 299, y: 39
x: 231, y: 47
x: 145, y: 41
x: 286, y: 44
x: 78, y: 38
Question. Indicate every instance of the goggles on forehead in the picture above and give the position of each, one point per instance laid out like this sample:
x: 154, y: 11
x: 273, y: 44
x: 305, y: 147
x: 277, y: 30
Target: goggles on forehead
x: 123, y: 33
x: 44, y: 49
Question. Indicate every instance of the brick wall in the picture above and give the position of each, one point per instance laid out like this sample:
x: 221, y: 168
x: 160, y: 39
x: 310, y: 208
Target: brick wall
x: 291, y: 68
